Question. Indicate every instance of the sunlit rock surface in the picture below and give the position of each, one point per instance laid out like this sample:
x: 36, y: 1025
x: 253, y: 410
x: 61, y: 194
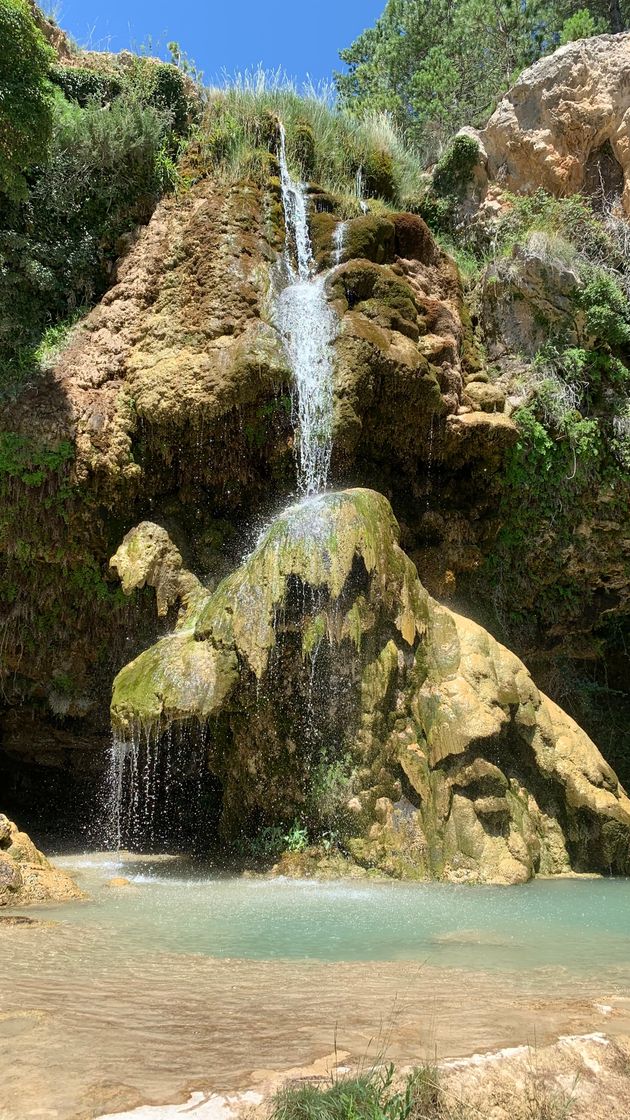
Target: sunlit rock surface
x: 25, y: 874
x: 565, y: 124
x: 460, y: 768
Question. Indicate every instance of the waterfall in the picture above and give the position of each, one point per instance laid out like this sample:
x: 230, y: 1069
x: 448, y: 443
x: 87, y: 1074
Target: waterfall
x: 157, y: 785
x: 151, y: 776
x: 308, y: 326
x: 339, y: 238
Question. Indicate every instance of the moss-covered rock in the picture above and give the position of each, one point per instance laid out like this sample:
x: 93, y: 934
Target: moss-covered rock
x: 458, y: 767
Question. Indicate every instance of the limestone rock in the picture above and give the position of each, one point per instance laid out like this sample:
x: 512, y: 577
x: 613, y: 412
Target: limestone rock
x: 26, y: 875
x: 462, y: 769
x: 566, y: 122
x: 147, y: 555
x: 528, y: 296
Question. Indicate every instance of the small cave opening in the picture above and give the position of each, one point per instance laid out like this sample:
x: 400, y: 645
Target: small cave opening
x: 603, y: 178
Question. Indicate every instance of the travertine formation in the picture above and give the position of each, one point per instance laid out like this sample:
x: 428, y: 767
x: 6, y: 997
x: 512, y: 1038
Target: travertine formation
x: 461, y: 769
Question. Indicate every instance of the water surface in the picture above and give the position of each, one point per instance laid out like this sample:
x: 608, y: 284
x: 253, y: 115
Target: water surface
x: 185, y: 981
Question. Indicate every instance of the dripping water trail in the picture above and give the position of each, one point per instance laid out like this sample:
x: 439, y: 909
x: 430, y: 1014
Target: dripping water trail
x: 339, y: 238
x: 159, y: 792
x: 429, y: 462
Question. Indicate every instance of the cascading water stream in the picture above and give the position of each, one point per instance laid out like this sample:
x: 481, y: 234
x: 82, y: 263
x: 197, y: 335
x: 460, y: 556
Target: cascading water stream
x: 308, y: 326
x: 142, y: 768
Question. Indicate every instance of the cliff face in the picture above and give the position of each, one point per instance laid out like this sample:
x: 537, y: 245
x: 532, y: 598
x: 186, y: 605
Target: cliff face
x: 172, y: 400
x: 162, y: 433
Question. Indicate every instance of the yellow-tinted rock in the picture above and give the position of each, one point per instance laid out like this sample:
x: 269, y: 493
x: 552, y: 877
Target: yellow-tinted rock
x: 26, y: 875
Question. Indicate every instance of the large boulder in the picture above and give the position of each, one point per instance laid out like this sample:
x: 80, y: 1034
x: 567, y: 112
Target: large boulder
x: 565, y: 124
x: 324, y: 650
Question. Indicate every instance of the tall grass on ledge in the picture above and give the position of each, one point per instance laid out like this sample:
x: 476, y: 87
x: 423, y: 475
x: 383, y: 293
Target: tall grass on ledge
x: 326, y: 145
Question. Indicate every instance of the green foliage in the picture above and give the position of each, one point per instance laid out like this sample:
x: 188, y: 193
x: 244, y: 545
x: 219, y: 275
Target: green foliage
x: 270, y: 841
x: 606, y: 307
x: 331, y: 784
x: 25, y: 96
x: 451, y: 176
x: 181, y: 60
x: 581, y: 25
x: 571, y: 219
x: 365, y: 1096
x: 324, y: 144
x: 107, y: 168
x: 454, y: 169
x: 161, y: 86
x: 436, y: 66
x: 21, y: 458
x: 296, y: 839
x: 82, y: 85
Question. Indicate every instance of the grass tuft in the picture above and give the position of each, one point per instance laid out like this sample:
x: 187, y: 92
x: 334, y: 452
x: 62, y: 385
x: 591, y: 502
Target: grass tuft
x: 325, y: 144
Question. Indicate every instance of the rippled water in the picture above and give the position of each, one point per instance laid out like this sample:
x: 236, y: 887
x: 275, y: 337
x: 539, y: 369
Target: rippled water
x: 579, y: 924
x: 184, y: 981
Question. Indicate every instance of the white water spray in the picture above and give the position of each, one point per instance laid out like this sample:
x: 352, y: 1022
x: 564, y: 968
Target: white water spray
x: 308, y: 327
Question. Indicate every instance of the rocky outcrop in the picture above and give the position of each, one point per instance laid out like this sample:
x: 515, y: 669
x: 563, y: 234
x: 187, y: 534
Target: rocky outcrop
x: 529, y: 296
x: 565, y: 124
x: 26, y: 875
x: 457, y: 767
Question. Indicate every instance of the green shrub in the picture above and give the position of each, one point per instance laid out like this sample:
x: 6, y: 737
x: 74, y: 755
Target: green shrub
x: 581, y: 25
x: 106, y: 170
x: 160, y: 86
x: 606, y: 308
x: 454, y: 170
x: 25, y: 96
x: 81, y: 85
x: 451, y: 176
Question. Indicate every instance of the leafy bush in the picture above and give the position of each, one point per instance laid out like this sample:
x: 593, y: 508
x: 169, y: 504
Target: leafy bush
x: 606, y: 308
x: 107, y: 168
x: 581, y: 25
x: 448, y: 184
x: 82, y: 85
x: 454, y: 170
x: 25, y: 96
x: 161, y: 86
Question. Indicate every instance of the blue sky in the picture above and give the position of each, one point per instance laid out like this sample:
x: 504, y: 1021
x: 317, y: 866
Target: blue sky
x: 232, y: 34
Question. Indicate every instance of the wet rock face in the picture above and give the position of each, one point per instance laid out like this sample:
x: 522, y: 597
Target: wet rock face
x: 457, y: 767
x: 564, y: 125
x: 173, y: 396
x: 25, y: 874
